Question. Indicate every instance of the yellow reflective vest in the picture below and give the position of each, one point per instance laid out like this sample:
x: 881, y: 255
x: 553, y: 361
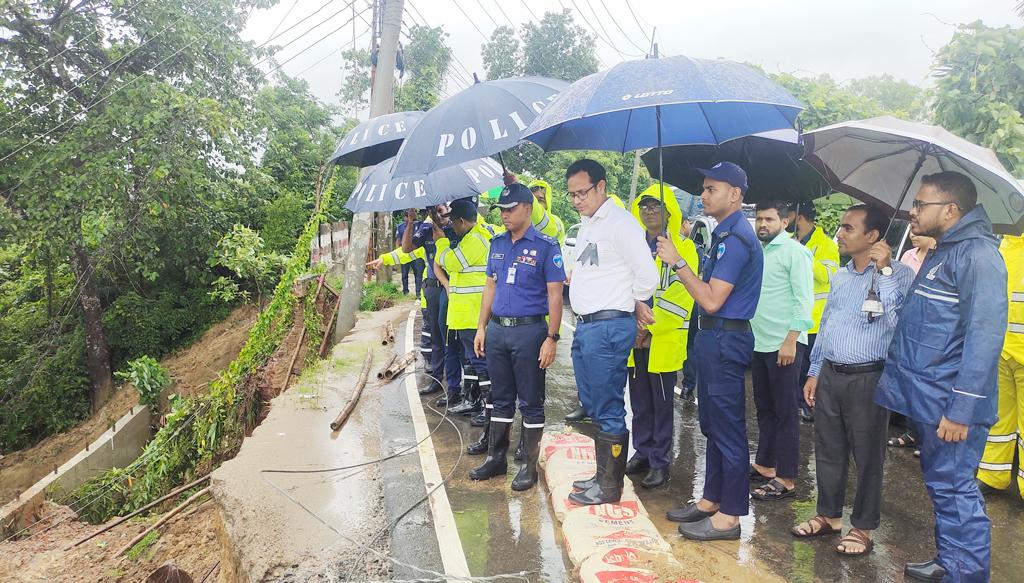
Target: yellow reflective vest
x: 824, y: 265
x: 398, y: 257
x: 466, y: 265
x: 673, y: 304
x: 543, y: 219
x: 1012, y: 249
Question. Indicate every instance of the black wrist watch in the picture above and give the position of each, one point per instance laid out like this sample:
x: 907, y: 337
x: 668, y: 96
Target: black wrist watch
x: 556, y: 336
x: 679, y: 264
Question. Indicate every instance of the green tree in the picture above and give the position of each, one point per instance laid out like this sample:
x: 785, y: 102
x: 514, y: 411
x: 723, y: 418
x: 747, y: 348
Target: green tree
x: 826, y: 102
x: 979, y: 91
x: 427, y: 59
x: 554, y: 47
x: 897, y: 97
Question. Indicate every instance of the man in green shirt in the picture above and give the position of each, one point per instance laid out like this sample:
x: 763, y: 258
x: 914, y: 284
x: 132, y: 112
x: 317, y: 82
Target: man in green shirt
x: 780, y: 327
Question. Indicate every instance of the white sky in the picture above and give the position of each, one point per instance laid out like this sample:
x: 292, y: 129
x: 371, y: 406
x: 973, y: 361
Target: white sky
x: 848, y: 39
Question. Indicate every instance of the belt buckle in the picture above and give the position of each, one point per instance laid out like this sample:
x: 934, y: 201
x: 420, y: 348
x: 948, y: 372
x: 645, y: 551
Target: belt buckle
x: 506, y: 322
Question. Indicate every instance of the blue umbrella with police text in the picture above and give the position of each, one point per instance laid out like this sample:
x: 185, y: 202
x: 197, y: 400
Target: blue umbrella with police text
x: 381, y: 191
x: 375, y: 140
x: 482, y: 120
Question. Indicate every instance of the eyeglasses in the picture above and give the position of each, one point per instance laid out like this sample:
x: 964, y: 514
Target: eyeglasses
x: 920, y: 204
x: 580, y: 194
x: 650, y: 208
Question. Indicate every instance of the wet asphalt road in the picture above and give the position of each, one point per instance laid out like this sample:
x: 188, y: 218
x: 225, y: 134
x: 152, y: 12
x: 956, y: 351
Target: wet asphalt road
x: 507, y: 532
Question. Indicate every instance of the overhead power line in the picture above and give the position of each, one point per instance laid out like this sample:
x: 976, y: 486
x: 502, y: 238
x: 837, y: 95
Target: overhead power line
x: 636, y: 19
x: 530, y: 10
x: 586, y: 21
x: 459, y: 6
x: 481, y: 5
x: 619, y: 26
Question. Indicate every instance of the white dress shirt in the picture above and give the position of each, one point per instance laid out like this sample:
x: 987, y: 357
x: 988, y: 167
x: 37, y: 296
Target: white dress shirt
x: 613, y: 267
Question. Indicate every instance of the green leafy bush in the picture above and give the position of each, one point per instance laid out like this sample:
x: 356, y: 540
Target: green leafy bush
x: 148, y: 378
x: 378, y: 296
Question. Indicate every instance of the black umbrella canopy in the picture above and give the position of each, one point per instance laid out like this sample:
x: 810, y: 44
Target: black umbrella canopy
x: 772, y: 160
x: 375, y: 140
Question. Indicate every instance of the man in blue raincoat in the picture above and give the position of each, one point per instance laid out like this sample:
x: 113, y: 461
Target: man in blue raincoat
x: 941, y: 369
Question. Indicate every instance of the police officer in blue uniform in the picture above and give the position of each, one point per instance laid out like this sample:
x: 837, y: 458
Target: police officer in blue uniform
x: 444, y: 362
x: 726, y: 297
x: 524, y: 284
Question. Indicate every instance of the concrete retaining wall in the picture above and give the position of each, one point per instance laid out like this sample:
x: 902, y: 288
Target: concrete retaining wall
x: 117, y: 447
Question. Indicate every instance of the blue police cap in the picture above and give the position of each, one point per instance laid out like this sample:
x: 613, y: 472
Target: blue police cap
x: 514, y: 194
x: 726, y: 172
x: 463, y: 208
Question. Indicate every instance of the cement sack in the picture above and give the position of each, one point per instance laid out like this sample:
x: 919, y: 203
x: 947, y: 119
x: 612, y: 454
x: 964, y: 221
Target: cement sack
x: 552, y: 442
x: 577, y: 462
x: 629, y: 504
x: 587, y: 534
x: 632, y: 565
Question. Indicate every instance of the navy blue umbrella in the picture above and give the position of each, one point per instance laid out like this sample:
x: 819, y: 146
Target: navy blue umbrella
x: 381, y: 191
x: 481, y: 120
x: 668, y: 101
x: 375, y: 140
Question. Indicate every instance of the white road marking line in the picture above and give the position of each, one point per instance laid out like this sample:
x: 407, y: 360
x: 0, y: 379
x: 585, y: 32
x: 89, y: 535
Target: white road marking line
x: 453, y: 557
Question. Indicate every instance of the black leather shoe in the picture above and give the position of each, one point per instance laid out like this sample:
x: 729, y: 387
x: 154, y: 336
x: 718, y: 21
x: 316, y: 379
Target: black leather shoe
x: 448, y: 401
x: 806, y: 415
x: 688, y: 513
x: 689, y: 395
x: 636, y: 464
x: 704, y: 531
x: 655, y: 477
x: 927, y: 571
x: 576, y: 416
x: 481, y: 419
x: 431, y: 388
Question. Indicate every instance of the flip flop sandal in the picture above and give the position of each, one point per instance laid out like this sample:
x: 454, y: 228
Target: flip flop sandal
x: 824, y: 528
x: 905, y: 440
x: 773, y: 490
x: 756, y: 476
x: 855, y: 536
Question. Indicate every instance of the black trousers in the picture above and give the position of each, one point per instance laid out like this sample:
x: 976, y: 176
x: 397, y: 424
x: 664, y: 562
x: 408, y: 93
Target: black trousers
x: 651, y: 395
x: 847, y: 421
x: 778, y: 421
x: 512, y: 360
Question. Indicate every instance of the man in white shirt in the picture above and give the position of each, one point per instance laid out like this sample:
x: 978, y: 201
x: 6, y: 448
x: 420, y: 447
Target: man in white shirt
x: 612, y: 278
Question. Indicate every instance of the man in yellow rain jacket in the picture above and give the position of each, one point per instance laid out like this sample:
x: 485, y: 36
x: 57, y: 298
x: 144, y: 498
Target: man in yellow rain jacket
x: 1008, y: 432
x: 660, y: 348
x: 825, y: 262
x: 542, y: 214
x: 466, y: 266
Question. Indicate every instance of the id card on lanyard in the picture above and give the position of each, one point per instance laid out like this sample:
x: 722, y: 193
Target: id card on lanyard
x: 510, y: 276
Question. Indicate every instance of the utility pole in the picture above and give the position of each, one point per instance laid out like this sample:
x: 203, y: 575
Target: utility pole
x: 382, y: 101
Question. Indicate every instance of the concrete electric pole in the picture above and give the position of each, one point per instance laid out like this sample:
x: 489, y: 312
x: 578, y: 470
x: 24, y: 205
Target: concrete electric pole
x: 382, y: 101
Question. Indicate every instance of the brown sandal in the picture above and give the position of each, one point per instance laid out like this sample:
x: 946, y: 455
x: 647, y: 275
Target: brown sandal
x: 824, y: 528
x: 857, y: 536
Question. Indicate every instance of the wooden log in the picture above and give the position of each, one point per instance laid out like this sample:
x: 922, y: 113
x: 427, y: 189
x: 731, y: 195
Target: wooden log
x: 387, y: 365
x: 350, y: 406
x: 399, y: 365
x: 163, y: 520
x: 121, y: 520
x: 330, y: 326
x: 389, y: 333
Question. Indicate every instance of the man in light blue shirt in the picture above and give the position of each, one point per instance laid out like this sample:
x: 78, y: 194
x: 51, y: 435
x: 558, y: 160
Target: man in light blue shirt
x: 780, y: 326
x: 846, y: 363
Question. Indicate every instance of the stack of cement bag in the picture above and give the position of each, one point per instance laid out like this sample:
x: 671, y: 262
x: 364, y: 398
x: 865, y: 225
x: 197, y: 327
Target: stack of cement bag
x: 609, y: 542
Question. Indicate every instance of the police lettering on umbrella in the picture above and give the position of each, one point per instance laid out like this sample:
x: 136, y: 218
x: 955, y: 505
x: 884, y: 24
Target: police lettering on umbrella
x: 727, y: 296
x: 518, y: 332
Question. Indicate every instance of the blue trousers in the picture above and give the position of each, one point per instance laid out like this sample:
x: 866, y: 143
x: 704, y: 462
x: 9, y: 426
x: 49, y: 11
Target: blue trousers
x: 723, y: 358
x: 416, y: 269
x: 444, y: 363
x: 651, y: 395
x: 469, y: 357
x: 600, y: 351
x: 963, y: 532
x: 513, y: 363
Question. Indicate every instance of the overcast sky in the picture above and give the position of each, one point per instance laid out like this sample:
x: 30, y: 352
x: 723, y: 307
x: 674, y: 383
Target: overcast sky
x: 847, y: 40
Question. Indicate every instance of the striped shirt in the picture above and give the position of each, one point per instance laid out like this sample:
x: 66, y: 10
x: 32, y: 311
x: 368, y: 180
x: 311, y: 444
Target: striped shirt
x: 846, y: 336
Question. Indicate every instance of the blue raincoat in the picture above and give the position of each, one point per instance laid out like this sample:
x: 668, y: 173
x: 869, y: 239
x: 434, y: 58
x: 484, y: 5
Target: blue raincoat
x: 943, y: 356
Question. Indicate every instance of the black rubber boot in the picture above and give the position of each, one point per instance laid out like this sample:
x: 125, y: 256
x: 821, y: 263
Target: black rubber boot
x: 578, y: 415
x: 591, y: 482
x: 480, y: 445
x: 610, y: 474
x: 527, y: 476
x: 497, y: 450
x: 520, y: 454
x: 470, y: 394
x: 483, y: 417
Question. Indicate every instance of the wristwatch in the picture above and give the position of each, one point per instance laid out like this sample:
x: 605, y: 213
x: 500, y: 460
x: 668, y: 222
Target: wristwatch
x: 679, y: 264
x: 556, y: 336
x: 886, y: 271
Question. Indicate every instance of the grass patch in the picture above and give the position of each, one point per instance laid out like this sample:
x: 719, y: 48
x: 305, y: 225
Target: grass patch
x: 143, y: 546
x: 379, y: 296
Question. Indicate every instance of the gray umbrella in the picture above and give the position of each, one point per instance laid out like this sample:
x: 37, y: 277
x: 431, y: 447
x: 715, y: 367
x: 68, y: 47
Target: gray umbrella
x: 481, y: 120
x: 375, y: 140
x: 380, y: 191
x: 881, y: 160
